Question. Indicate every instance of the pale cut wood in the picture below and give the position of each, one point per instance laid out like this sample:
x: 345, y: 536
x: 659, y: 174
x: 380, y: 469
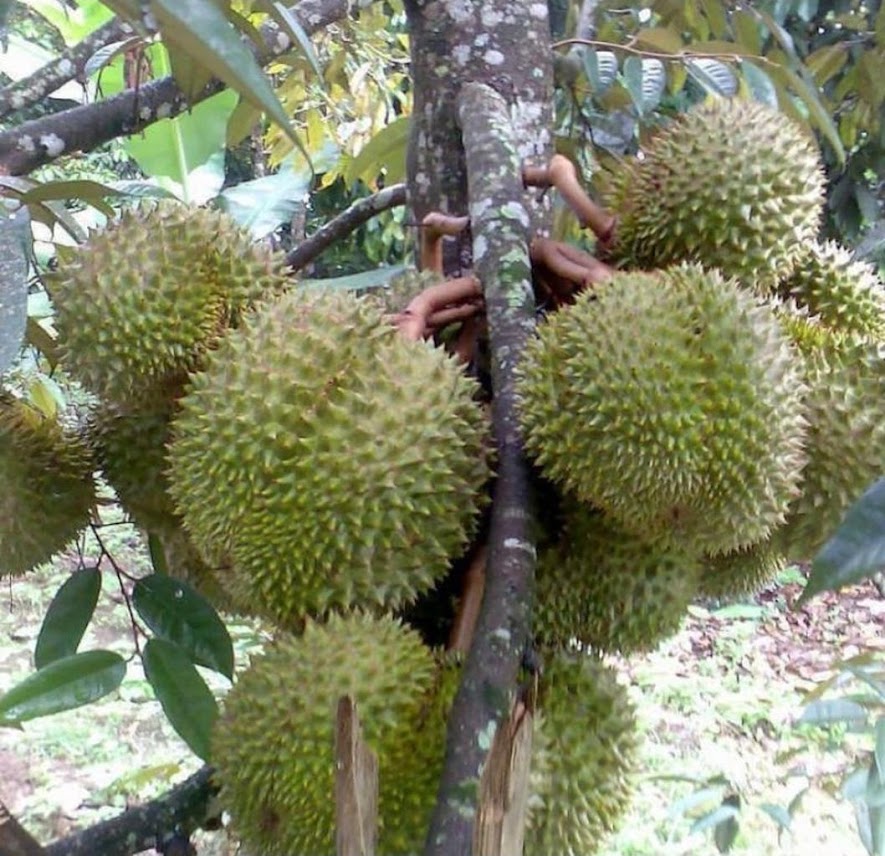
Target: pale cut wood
x: 356, y: 785
x: 504, y: 788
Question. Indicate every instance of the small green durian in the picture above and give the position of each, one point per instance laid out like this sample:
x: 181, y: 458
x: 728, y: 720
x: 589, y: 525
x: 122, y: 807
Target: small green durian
x: 48, y: 486
x: 673, y: 402
x: 741, y: 572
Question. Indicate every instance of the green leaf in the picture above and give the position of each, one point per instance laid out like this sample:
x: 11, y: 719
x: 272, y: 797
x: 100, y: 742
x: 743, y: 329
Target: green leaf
x: 89, y: 191
x: 778, y: 814
x: 157, y: 554
x: 73, y: 24
x: 68, y: 617
x: 385, y: 151
x: 746, y: 29
x: 15, y: 245
x: 290, y: 25
x: 857, y: 548
x: 262, y: 204
x: 720, y: 814
x: 827, y: 61
x: 187, y: 702
x: 759, y: 83
x: 714, y: 76
x: 39, y: 337
x: 726, y: 831
x: 646, y: 80
x: 826, y: 712
x: 200, y: 28
x: 178, y: 613
x: 374, y: 278
x: 601, y: 68
x: 880, y: 749
x: 63, y: 685
x: 663, y: 39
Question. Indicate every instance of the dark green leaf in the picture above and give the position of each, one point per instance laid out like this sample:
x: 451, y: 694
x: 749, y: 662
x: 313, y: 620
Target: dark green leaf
x: 15, y: 242
x: 857, y: 548
x: 375, y: 278
x: 106, y: 54
x: 201, y: 29
x: 63, y: 685
x: 726, y: 831
x: 778, y: 814
x: 833, y: 711
x: 175, y: 611
x: 40, y: 338
x: 720, y: 814
x: 187, y: 702
x: 714, y: 76
x: 601, y: 68
x: 89, y: 191
x: 68, y: 616
x: 262, y: 204
x: 157, y: 554
x: 759, y: 83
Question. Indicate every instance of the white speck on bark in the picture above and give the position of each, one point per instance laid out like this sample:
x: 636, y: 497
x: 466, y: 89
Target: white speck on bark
x: 144, y: 113
x: 461, y: 53
x: 491, y: 17
x: 480, y: 246
x: 164, y: 110
x: 478, y: 208
x: 66, y: 67
x: 26, y: 144
x: 494, y: 57
x: 17, y: 101
x: 538, y: 10
x: 481, y: 40
x: 459, y: 10
x: 53, y: 144
x: 282, y: 42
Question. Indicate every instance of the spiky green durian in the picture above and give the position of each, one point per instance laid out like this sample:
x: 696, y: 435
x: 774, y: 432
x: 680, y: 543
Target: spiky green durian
x: 138, y: 306
x: 583, y: 758
x: 608, y: 589
x: 731, y: 184
x: 846, y: 295
x: 331, y: 460
x: 130, y: 446
x: 741, y: 572
x: 673, y: 402
x: 273, y: 745
x: 846, y: 440
x: 47, y: 485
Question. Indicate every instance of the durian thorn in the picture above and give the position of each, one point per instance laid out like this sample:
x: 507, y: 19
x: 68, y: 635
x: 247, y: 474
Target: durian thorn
x: 413, y: 321
x: 561, y: 174
x: 568, y: 263
x: 461, y: 636
x: 434, y: 227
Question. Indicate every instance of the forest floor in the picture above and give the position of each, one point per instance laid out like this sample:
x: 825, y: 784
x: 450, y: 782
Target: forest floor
x: 717, y: 706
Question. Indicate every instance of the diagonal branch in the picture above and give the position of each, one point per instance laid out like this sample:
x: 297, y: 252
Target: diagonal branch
x: 35, y: 87
x: 34, y: 143
x: 501, y: 233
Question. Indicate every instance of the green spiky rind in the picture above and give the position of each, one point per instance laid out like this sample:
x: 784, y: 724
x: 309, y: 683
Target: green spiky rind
x: 610, y: 590
x: 584, y: 758
x: 411, y: 765
x: 673, y: 402
x: 273, y: 744
x: 130, y: 446
x: 846, y: 441
x: 731, y: 184
x: 846, y: 295
x: 143, y: 300
x: 351, y: 460
x: 741, y: 572
x: 48, y: 488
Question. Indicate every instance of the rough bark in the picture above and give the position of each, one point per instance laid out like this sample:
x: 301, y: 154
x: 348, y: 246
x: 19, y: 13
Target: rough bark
x: 81, y: 129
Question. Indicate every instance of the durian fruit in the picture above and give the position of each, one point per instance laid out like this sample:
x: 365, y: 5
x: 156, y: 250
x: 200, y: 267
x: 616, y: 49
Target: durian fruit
x: 48, y: 489
x: 846, y: 440
x: 673, y: 402
x: 731, y: 184
x: 138, y: 306
x: 609, y: 590
x: 130, y: 447
x: 584, y: 757
x: 741, y: 572
x: 273, y: 744
x: 332, y: 461
x: 846, y: 295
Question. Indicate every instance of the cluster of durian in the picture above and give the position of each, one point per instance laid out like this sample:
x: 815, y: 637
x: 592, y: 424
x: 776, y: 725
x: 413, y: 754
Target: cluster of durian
x: 710, y: 412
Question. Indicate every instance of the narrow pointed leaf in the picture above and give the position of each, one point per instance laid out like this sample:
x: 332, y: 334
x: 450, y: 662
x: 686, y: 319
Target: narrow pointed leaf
x: 880, y: 750
x: 201, y: 29
x: 760, y: 84
x: 385, y: 151
x: 15, y: 241
x: 63, y: 685
x: 833, y: 711
x: 712, y: 819
x: 187, y: 702
x: 68, y: 617
x: 179, y: 614
x: 857, y: 548
x: 778, y: 814
x: 290, y: 25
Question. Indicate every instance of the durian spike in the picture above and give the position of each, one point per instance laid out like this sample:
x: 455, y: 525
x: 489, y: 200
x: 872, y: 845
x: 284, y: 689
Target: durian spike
x: 561, y: 174
x: 413, y: 322
x: 436, y: 226
x: 474, y: 584
x: 570, y: 264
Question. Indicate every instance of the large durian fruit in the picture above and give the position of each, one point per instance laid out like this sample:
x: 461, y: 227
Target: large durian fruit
x: 273, y: 745
x: 609, y: 590
x: 673, y: 402
x: 47, y: 484
x: 741, y: 572
x: 844, y: 294
x: 138, y: 306
x: 731, y: 184
x: 584, y: 758
x: 352, y: 461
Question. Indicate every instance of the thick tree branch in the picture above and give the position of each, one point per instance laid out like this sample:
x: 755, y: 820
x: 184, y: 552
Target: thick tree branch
x: 34, y: 143
x: 182, y: 810
x: 35, y: 87
x: 501, y: 227
x: 346, y: 222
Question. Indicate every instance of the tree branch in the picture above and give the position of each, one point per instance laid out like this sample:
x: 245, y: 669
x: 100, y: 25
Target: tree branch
x: 346, y: 222
x: 185, y: 808
x: 501, y: 228
x: 35, y: 87
x: 34, y: 143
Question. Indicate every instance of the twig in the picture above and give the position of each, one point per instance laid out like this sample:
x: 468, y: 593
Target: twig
x: 346, y: 222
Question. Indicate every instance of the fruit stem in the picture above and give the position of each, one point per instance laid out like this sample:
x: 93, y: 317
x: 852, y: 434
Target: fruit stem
x: 454, y: 299
x: 435, y: 226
